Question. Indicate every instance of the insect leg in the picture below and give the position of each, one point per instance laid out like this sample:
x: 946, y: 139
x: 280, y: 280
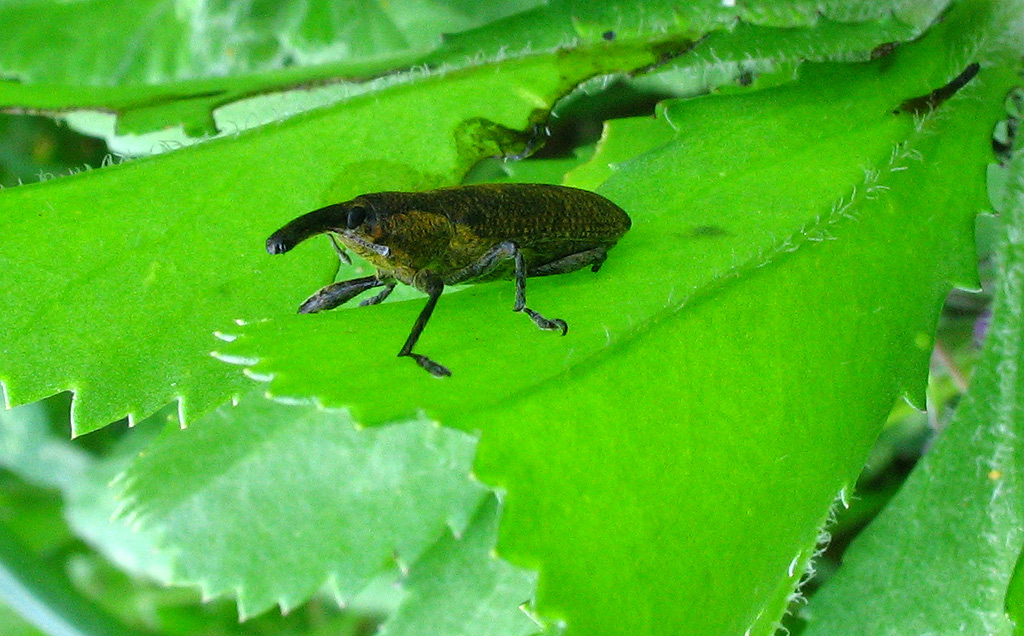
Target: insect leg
x: 337, y: 294
x: 548, y: 325
x: 384, y: 293
x: 340, y: 251
x: 594, y: 257
x: 500, y: 252
x: 431, y: 284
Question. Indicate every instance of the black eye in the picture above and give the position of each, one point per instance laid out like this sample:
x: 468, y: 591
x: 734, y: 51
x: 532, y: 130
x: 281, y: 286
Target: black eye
x: 356, y: 216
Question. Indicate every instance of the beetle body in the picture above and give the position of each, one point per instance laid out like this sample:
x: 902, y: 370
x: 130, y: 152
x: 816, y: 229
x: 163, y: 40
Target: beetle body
x: 464, y: 234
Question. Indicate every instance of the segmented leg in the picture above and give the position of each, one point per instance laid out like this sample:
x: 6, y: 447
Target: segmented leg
x: 431, y: 284
x: 594, y: 257
x: 548, y: 325
x: 339, y: 293
x: 494, y: 257
x: 340, y: 250
x: 384, y: 293
x: 506, y: 250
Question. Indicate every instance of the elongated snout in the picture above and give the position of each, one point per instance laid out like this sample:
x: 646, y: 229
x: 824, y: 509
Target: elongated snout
x: 332, y: 217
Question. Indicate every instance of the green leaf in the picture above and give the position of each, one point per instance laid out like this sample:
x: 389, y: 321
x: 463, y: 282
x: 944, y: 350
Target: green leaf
x: 1015, y: 596
x: 621, y: 140
x: 460, y: 588
x: 45, y: 597
x: 274, y: 502
x: 706, y: 222
x: 669, y: 462
x: 534, y: 171
x: 940, y: 557
x: 33, y: 514
x: 31, y: 449
x: 12, y: 624
x: 178, y: 76
x: 34, y: 446
x: 158, y: 254
x: 211, y: 39
x: 674, y: 460
x: 552, y: 24
x: 203, y: 62
x: 91, y: 507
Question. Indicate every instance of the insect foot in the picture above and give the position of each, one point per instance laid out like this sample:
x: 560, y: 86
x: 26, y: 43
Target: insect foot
x: 433, y: 368
x: 556, y: 324
x: 457, y: 236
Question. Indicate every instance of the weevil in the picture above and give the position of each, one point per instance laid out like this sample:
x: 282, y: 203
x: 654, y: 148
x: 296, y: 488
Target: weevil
x: 464, y: 234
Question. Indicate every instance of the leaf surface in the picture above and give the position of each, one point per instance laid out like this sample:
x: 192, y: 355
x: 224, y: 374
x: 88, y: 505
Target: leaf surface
x: 727, y: 370
x: 14, y: 625
x: 638, y: 461
x: 115, y: 279
x: 460, y: 588
x: 200, y: 57
x: 940, y: 557
x: 274, y: 501
x: 30, y: 449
